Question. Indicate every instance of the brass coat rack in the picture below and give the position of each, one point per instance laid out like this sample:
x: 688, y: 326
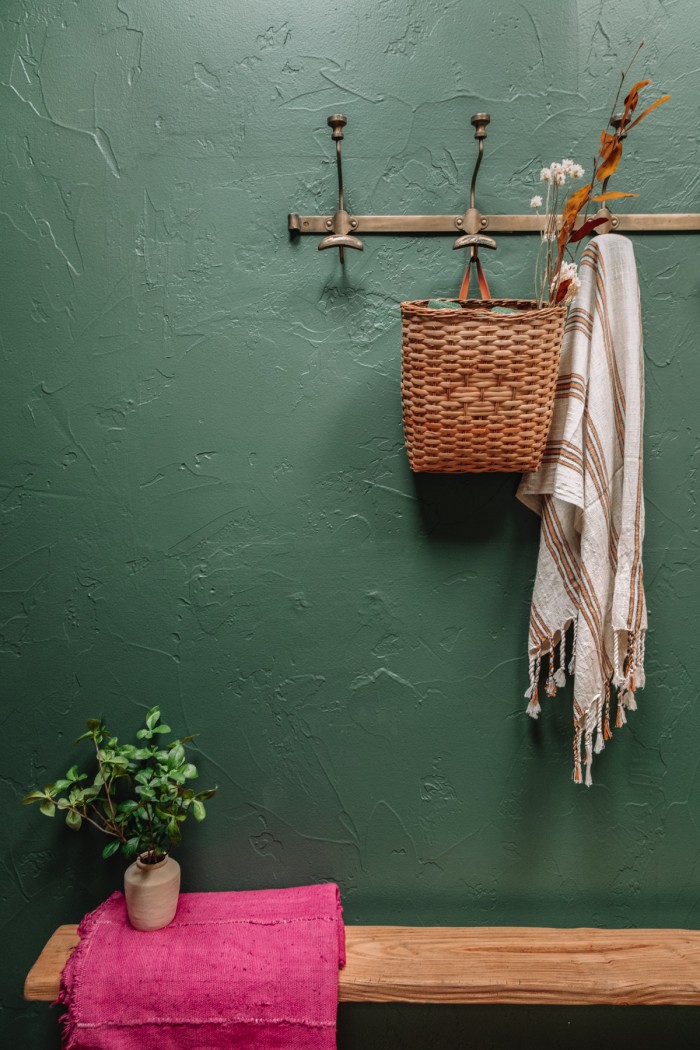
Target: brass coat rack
x: 340, y: 230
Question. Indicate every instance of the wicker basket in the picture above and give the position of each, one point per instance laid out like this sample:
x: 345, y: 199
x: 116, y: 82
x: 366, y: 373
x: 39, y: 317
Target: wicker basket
x: 478, y: 387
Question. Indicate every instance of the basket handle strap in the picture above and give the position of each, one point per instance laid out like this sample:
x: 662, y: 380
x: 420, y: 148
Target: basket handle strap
x: 481, y: 276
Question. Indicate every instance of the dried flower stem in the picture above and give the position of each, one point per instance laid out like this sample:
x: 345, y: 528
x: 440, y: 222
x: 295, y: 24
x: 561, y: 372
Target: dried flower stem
x: 549, y: 284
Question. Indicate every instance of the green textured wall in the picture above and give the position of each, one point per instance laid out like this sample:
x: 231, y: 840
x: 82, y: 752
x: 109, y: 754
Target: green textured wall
x: 205, y: 501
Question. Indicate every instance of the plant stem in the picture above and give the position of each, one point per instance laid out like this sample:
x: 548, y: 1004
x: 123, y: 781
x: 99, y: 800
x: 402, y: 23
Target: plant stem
x: 149, y: 817
x: 106, y: 784
x: 622, y: 80
x: 104, y: 828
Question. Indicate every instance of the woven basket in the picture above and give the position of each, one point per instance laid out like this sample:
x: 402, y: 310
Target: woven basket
x: 478, y: 387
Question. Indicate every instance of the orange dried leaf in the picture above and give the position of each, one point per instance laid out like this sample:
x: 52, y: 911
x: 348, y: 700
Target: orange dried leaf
x: 659, y: 102
x: 572, y: 208
x: 608, y: 145
x: 574, y: 204
x: 633, y: 97
x: 610, y: 161
x: 613, y: 196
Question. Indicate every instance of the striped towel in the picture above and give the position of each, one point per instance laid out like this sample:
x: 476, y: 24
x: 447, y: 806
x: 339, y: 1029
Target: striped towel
x: 588, y: 493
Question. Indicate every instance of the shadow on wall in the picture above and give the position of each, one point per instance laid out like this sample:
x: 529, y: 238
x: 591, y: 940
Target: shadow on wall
x: 464, y: 508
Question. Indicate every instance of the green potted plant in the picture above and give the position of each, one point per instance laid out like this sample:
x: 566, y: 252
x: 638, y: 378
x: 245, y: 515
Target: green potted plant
x: 138, y: 795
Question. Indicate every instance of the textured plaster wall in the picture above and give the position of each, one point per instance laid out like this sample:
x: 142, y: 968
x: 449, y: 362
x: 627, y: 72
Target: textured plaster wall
x: 205, y: 500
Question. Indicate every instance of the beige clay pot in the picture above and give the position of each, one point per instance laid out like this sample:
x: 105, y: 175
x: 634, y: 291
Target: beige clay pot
x: 151, y: 892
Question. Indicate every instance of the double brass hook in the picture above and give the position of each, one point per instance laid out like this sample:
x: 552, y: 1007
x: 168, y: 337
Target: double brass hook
x: 341, y: 227
x: 341, y: 224
x: 472, y: 221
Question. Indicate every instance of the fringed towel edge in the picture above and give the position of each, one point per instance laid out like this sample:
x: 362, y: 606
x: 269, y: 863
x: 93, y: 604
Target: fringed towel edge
x: 72, y: 975
x: 627, y: 676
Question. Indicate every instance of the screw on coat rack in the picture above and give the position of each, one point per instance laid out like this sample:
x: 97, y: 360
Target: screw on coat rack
x: 341, y: 224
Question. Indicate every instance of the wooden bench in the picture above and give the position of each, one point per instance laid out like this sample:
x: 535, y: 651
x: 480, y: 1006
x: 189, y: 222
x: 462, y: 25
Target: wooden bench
x: 524, y: 965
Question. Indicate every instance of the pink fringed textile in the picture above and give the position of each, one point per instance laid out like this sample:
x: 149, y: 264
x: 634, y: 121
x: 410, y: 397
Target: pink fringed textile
x: 252, y: 970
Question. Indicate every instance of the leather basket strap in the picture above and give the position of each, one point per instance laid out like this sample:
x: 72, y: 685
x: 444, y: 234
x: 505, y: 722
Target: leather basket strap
x: 481, y: 276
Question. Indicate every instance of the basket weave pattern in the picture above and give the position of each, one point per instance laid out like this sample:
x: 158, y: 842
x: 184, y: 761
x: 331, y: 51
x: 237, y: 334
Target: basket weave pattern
x: 477, y: 387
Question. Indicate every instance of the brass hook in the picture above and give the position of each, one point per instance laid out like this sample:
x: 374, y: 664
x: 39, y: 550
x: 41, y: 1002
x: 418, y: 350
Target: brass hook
x: 472, y: 221
x: 341, y: 224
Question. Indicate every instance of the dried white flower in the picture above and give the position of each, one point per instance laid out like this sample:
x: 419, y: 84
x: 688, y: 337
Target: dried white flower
x: 536, y: 202
x: 570, y: 168
x: 546, y: 175
x: 567, y: 272
x: 555, y: 167
x: 559, y: 178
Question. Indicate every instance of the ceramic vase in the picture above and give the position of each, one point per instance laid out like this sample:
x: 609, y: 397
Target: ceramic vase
x: 151, y: 892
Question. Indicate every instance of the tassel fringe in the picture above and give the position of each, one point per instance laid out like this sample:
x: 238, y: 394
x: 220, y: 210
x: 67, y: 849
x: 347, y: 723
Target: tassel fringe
x: 533, y: 708
x: 577, y: 752
x: 626, y: 674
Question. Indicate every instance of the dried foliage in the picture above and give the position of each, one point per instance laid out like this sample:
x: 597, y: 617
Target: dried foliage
x: 558, y: 281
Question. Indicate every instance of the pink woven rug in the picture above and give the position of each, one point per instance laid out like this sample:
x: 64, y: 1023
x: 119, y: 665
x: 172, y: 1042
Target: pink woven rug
x: 253, y: 970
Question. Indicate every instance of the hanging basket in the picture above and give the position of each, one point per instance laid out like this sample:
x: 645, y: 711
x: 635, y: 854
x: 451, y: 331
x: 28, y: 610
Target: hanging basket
x: 478, y: 387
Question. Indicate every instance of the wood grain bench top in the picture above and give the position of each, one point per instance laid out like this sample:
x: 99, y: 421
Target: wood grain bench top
x: 443, y: 964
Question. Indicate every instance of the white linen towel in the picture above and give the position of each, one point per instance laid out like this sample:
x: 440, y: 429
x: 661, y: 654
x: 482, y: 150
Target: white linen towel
x: 588, y: 492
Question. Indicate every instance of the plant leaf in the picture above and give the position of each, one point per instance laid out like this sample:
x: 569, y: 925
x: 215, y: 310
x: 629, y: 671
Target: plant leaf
x: 643, y: 114
x: 33, y: 796
x: 612, y: 196
x: 73, y: 820
x: 610, y: 158
x: 174, y: 832
x: 633, y: 96
x: 153, y: 717
x: 128, y: 806
x: 110, y: 849
x: 571, y: 209
x: 47, y: 808
x: 575, y: 203
x: 198, y: 810
x: 562, y: 290
x: 176, y: 756
x: 586, y: 228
